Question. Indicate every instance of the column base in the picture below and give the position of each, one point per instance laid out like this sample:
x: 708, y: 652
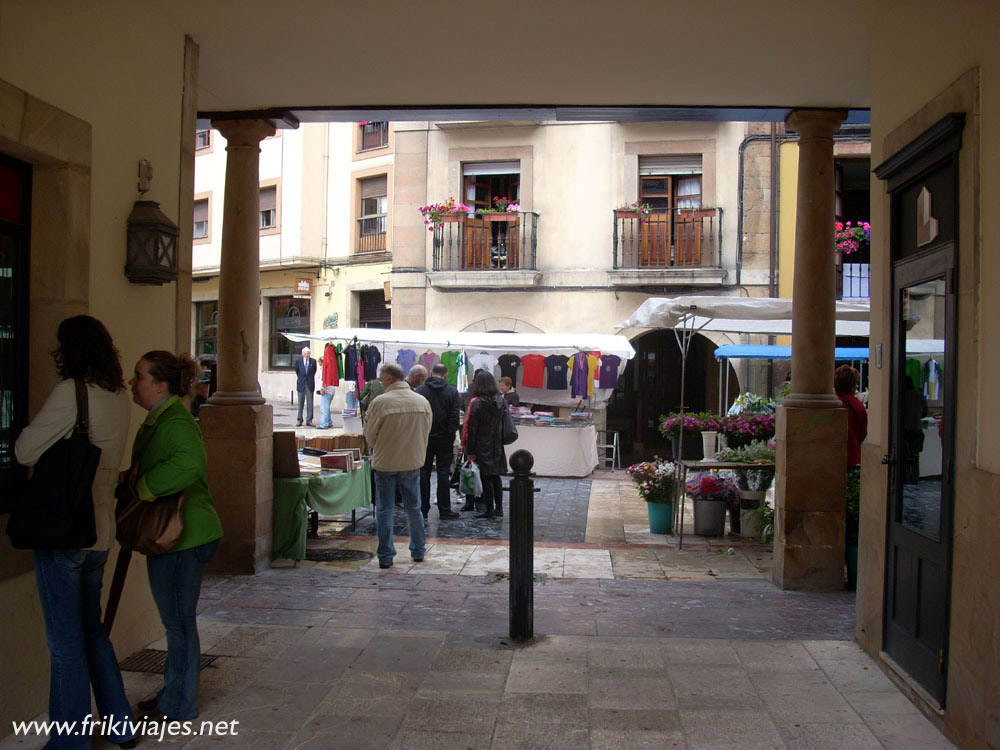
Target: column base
x: 812, y: 401
x: 235, y: 398
x: 240, y: 457
x: 811, y: 483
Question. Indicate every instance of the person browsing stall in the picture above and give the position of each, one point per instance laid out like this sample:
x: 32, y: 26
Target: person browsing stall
x: 444, y: 402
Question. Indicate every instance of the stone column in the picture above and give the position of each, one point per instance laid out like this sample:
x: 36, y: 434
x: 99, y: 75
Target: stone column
x: 236, y: 422
x: 811, y: 426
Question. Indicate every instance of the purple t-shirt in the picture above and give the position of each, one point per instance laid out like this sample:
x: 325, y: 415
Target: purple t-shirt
x: 609, y: 371
x: 555, y: 368
x: 405, y: 359
x: 581, y: 372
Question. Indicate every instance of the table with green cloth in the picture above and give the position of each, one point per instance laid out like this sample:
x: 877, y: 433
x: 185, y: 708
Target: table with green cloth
x: 329, y: 494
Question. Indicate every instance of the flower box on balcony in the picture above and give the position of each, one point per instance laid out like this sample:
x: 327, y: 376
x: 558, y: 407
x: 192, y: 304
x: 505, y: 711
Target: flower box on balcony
x: 452, y: 218
x: 506, y: 216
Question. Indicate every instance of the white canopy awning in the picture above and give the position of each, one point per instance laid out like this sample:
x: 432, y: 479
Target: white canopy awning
x: 754, y: 315
x: 479, y: 341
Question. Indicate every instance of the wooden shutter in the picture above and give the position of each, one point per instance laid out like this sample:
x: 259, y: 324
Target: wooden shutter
x: 201, y: 210
x: 670, y: 164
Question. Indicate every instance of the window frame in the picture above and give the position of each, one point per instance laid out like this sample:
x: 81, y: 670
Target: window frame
x: 207, y: 238
x: 209, y: 146
x: 276, y: 227
x: 276, y: 340
x: 200, y: 327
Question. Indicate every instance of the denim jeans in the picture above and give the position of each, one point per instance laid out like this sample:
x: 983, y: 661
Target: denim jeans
x: 69, y: 588
x: 385, y: 498
x: 305, y: 399
x: 175, y: 580
x: 442, y: 455
x: 325, y: 420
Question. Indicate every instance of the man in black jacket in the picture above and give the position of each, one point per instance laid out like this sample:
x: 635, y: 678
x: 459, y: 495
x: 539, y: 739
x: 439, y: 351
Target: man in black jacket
x: 441, y: 445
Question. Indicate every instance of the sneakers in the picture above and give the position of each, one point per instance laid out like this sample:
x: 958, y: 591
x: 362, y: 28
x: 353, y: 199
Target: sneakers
x: 448, y: 514
x: 385, y: 564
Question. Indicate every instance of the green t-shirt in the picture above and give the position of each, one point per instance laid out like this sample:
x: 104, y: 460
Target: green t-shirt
x: 450, y: 360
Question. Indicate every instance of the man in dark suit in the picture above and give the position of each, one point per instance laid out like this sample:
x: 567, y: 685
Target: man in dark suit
x: 305, y: 384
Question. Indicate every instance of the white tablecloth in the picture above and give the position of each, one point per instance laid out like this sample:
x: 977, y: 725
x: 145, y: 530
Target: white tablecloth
x: 558, y: 451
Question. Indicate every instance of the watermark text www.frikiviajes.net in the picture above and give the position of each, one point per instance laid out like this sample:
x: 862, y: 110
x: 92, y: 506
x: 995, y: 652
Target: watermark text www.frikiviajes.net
x: 116, y: 728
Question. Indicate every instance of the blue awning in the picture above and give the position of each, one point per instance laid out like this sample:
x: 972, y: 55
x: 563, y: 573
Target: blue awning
x: 762, y: 351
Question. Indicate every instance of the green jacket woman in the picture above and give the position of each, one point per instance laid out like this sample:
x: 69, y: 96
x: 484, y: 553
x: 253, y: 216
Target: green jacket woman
x: 170, y: 454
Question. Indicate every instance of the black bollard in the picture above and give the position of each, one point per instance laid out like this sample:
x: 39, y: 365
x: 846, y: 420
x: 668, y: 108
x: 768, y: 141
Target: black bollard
x: 522, y: 540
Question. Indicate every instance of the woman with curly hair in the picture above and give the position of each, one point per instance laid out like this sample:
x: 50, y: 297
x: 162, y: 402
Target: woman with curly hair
x: 169, y: 454
x: 69, y: 580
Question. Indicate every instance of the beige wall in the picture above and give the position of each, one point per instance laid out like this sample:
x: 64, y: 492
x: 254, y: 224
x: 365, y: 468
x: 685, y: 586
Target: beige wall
x: 87, y: 145
x: 911, y: 90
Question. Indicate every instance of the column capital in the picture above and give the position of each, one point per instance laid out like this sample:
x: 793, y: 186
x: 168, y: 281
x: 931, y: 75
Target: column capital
x: 244, y: 132
x: 815, y: 123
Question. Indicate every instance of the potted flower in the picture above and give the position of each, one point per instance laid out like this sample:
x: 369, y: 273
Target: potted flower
x: 656, y: 481
x: 743, y: 428
x: 634, y: 210
x: 849, y: 239
x: 753, y: 484
x: 711, y: 494
x: 684, y: 432
x: 502, y: 209
x: 436, y: 214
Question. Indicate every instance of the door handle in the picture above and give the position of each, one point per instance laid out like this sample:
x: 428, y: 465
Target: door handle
x: 888, y: 460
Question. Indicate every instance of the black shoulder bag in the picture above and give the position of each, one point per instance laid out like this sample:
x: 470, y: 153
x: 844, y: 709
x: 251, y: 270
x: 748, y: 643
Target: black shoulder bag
x: 56, y: 508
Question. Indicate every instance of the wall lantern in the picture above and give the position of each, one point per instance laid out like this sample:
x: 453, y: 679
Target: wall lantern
x: 151, y: 238
x: 151, y: 246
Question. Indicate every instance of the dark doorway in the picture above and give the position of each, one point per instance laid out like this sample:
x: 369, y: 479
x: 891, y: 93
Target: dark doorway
x: 15, y: 267
x: 651, y: 387
x: 373, y: 310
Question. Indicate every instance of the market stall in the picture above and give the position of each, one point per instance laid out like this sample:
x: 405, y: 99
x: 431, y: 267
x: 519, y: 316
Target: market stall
x: 558, y: 373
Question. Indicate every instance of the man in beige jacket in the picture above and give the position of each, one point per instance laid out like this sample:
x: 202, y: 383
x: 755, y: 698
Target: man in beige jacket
x: 397, y: 427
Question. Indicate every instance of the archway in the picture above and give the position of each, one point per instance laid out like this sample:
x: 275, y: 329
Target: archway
x: 651, y: 387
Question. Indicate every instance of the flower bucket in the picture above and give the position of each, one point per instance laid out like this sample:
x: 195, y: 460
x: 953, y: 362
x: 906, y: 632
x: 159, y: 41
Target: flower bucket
x: 749, y: 521
x: 688, y: 449
x: 710, y: 517
x: 661, y: 517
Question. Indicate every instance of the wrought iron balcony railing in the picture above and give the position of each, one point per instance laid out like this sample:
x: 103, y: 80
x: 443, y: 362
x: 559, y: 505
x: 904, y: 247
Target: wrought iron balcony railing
x: 498, y: 241
x: 853, y: 280
x: 677, y: 238
x: 371, y: 233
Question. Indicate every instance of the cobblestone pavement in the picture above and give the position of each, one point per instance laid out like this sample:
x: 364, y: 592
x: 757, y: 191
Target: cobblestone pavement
x: 638, y: 644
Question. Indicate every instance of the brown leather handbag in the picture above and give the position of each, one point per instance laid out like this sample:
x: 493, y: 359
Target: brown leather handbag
x: 150, y: 527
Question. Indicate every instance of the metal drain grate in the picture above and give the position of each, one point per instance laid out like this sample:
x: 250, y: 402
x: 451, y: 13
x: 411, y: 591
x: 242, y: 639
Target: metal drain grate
x: 337, y: 555
x: 154, y: 661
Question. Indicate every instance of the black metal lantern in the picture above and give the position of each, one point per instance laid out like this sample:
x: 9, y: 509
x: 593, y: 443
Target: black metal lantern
x: 151, y: 246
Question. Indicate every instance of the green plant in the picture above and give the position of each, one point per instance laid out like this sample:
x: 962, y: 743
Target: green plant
x: 671, y: 425
x: 432, y: 214
x: 501, y: 205
x: 765, y: 524
x: 754, y: 480
x: 853, y: 505
x: 638, y: 207
x: 753, y: 403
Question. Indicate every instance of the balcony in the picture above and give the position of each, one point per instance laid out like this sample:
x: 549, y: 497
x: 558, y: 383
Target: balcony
x: 680, y: 246
x: 371, y: 233
x: 501, y: 246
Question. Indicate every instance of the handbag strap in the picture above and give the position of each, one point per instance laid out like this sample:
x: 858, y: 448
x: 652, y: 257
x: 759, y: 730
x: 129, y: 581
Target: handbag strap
x: 82, y: 426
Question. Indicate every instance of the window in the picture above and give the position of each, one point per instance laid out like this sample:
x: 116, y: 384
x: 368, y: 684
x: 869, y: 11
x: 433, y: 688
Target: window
x: 269, y: 207
x: 201, y: 219
x: 202, y: 140
x: 287, y: 315
x: 485, y: 180
x: 372, y: 222
x: 670, y: 182
x: 374, y: 135
x: 206, y: 316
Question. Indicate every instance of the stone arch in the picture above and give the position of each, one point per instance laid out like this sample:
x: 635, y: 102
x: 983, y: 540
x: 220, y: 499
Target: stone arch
x: 498, y: 324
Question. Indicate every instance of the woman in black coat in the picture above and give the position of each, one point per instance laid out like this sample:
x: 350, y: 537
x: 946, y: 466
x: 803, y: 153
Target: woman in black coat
x: 485, y: 441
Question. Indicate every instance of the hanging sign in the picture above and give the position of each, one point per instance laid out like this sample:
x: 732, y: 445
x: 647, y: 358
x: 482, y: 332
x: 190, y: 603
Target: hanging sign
x: 303, y: 289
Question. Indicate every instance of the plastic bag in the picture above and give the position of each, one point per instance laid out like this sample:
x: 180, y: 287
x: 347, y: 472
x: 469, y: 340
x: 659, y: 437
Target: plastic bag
x: 471, y: 483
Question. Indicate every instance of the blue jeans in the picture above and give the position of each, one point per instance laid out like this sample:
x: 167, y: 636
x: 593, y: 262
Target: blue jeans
x: 385, y: 499
x: 324, y: 411
x: 69, y: 588
x: 305, y: 399
x: 175, y: 580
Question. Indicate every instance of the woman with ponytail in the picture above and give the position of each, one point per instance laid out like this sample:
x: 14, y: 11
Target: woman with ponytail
x: 169, y: 453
